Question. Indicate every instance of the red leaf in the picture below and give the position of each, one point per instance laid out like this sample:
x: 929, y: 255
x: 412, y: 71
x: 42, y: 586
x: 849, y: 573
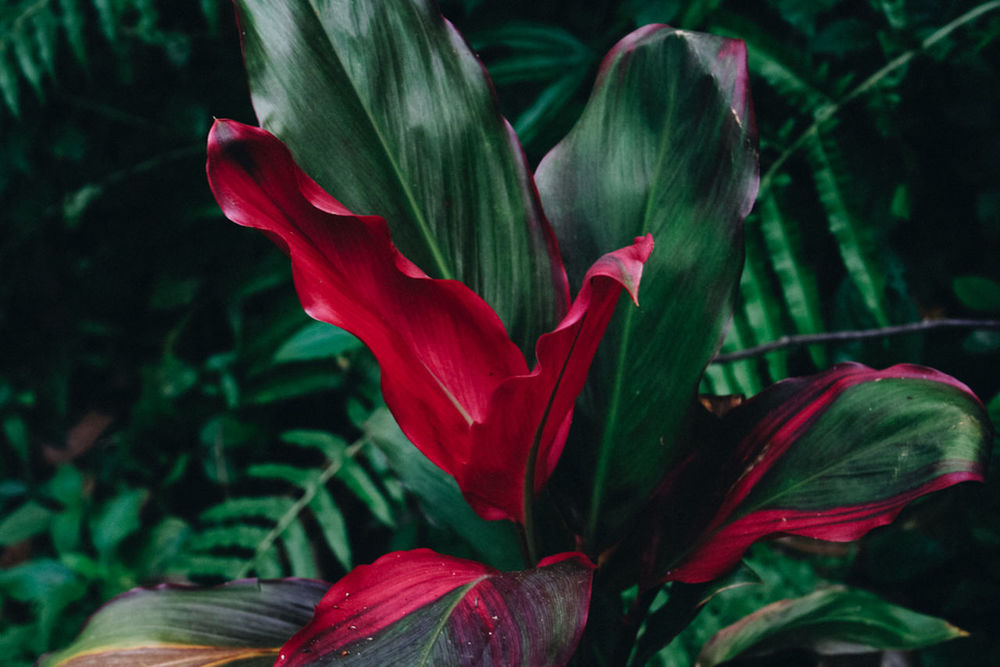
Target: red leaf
x: 457, y: 385
x: 447, y: 610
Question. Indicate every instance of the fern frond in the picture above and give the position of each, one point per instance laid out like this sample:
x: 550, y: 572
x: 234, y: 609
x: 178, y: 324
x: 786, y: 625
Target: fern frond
x: 761, y: 307
x: 854, y: 239
x: 228, y: 536
x: 265, y: 507
x: 797, y: 279
x: 782, y: 66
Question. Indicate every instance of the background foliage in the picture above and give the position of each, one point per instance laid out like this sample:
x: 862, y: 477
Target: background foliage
x: 168, y: 412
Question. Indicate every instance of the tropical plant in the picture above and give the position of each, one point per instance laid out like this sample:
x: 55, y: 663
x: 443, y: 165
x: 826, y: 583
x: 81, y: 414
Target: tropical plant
x: 634, y: 515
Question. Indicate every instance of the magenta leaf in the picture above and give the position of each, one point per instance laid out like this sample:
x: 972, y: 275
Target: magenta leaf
x: 829, y: 456
x: 458, y: 386
x: 419, y: 607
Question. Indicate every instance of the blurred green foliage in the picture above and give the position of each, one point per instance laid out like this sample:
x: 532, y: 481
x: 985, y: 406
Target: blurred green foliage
x: 168, y: 412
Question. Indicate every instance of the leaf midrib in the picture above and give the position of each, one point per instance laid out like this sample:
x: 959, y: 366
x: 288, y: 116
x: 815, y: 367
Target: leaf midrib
x: 416, y: 213
x: 433, y: 635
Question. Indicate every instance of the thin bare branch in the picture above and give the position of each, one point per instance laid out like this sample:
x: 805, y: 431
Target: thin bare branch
x: 834, y: 336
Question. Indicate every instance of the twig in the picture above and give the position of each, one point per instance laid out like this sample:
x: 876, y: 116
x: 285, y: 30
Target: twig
x: 809, y: 339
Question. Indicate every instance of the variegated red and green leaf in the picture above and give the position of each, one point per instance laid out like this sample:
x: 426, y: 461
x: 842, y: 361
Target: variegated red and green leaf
x: 829, y: 456
x: 240, y: 623
x: 384, y: 104
x: 666, y: 145
x: 422, y: 608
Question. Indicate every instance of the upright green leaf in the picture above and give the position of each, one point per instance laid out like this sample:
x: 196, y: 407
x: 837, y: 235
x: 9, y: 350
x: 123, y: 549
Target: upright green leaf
x: 833, y: 621
x: 243, y: 622
x: 387, y: 108
x: 665, y: 145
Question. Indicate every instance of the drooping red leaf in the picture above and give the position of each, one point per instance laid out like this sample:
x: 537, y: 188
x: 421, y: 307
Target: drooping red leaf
x: 829, y: 456
x: 419, y: 607
x: 457, y: 385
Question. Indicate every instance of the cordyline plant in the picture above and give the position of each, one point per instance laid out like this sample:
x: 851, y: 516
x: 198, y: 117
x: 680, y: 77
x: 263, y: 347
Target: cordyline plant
x: 385, y: 171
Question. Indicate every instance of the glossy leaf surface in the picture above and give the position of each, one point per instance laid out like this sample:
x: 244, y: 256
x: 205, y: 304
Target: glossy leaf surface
x: 422, y: 608
x: 666, y: 145
x: 386, y: 107
x: 450, y: 375
x: 829, y: 456
x: 241, y: 623
x: 833, y: 621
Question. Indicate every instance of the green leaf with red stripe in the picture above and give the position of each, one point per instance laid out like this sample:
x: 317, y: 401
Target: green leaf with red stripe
x: 241, y: 623
x: 421, y: 608
x: 829, y: 456
x: 832, y: 621
x: 386, y: 107
x: 666, y: 145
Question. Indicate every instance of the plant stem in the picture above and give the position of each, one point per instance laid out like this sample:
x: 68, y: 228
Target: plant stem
x: 881, y: 332
x: 630, y: 626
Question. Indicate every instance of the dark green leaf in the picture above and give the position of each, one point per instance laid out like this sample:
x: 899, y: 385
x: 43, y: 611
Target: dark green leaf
x: 385, y: 106
x: 978, y: 293
x: 316, y: 340
x: 833, y: 621
x: 25, y: 522
x: 665, y: 145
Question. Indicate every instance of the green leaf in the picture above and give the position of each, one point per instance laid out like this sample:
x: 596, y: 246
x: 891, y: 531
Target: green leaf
x: 316, y: 340
x: 978, y: 293
x: 357, y: 479
x: 331, y: 522
x: 536, y: 52
x: 243, y: 622
x: 25, y: 522
x: 118, y: 519
x: 282, y: 383
x: 267, y: 507
x: 834, y: 621
x: 665, y: 145
x: 385, y: 106
x: 301, y: 559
